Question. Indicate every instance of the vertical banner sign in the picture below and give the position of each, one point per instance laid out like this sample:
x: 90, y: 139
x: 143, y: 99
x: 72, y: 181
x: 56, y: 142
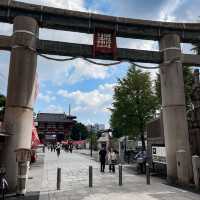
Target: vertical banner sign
x: 35, y: 141
x: 104, y: 42
x: 35, y: 138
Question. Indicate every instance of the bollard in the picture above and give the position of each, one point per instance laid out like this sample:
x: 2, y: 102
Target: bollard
x: 196, y: 170
x: 120, y: 175
x: 147, y: 173
x: 58, y: 178
x: 90, y: 176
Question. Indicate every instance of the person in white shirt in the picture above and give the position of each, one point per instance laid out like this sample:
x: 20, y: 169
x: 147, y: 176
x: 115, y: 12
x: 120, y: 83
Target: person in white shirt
x: 112, y: 158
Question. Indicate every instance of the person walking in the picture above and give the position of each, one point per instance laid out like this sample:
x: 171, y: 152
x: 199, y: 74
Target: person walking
x: 109, y: 161
x: 102, y: 158
x: 54, y: 147
x: 71, y: 148
x: 112, y: 159
x: 3, y: 183
x: 141, y: 158
x: 58, y: 150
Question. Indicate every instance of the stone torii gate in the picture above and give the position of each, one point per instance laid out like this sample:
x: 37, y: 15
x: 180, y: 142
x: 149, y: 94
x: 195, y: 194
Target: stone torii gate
x: 25, y: 44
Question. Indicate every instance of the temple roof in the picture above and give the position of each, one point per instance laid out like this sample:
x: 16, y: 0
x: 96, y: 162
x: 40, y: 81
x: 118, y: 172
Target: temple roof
x: 54, y: 117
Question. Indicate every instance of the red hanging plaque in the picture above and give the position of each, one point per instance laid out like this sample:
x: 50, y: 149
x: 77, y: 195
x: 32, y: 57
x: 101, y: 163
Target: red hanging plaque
x: 104, y: 42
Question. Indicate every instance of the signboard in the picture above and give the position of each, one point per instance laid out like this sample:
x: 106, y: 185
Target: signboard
x: 139, y: 144
x: 104, y: 42
x: 159, y: 154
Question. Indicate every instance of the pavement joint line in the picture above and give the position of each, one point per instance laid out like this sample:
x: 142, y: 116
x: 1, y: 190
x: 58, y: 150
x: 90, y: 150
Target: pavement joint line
x: 164, y: 192
x: 180, y: 190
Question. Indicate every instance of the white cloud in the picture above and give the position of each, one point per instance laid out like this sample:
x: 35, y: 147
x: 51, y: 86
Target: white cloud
x: 84, y: 70
x: 64, y: 4
x: 6, y: 29
x: 97, y: 98
x: 54, y: 109
x: 4, y: 68
x: 70, y: 72
x: 91, y: 105
x: 168, y: 9
x: 46, y: 98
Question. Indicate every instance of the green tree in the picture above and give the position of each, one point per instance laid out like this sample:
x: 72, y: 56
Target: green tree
x: 134, y: 103
x: 79, y: 131
x: 188, y: 80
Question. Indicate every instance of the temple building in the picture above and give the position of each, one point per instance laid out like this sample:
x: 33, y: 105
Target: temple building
x: 54, y: 127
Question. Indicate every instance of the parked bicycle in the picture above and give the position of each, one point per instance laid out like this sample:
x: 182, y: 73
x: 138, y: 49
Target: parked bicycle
x: 3, y: 183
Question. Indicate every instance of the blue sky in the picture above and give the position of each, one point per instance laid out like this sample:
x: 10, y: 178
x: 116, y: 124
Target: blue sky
x: 87, y: 87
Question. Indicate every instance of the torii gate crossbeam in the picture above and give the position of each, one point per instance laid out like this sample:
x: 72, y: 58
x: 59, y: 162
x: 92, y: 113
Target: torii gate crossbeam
x: 67, y: 20
x: 83, y: 50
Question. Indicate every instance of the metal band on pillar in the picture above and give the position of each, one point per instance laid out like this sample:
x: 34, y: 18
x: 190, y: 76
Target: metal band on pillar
x: 24, y: 38
x: 175, y: 59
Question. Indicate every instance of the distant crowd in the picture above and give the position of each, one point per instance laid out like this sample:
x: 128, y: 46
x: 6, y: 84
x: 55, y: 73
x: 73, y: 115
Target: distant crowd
x: 57, y: 148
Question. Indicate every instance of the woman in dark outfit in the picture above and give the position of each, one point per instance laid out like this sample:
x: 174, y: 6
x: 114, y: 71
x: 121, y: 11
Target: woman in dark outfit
x: 102, y: 157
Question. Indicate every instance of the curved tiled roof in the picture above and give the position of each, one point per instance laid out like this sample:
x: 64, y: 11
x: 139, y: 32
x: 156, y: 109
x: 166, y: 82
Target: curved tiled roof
x: 54, y: 117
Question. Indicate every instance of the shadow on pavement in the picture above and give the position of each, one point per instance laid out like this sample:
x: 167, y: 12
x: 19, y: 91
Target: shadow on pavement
x: 28, y: 196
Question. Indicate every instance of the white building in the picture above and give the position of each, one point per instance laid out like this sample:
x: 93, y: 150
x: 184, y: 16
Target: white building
x: 96, y: 127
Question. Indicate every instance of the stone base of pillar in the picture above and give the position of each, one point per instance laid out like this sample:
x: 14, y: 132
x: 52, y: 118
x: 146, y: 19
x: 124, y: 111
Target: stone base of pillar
x: 23, y: 168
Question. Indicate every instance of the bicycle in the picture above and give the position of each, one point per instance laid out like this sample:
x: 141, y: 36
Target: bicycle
x: 3, y: 183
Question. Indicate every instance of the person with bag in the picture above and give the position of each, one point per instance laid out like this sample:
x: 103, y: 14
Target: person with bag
x: 112, y: 160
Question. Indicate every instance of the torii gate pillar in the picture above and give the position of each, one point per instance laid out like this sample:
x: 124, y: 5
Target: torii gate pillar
x: 174, y: 112
x: 20, y: 95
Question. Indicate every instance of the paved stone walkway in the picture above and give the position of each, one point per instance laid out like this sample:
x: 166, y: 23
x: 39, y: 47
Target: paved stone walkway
x: 74, y: 185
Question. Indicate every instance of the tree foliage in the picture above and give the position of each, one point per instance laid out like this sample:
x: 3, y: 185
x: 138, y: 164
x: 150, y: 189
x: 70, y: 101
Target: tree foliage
x: 134, y: 104
x: 188, y: 81
x: 79, y: 132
